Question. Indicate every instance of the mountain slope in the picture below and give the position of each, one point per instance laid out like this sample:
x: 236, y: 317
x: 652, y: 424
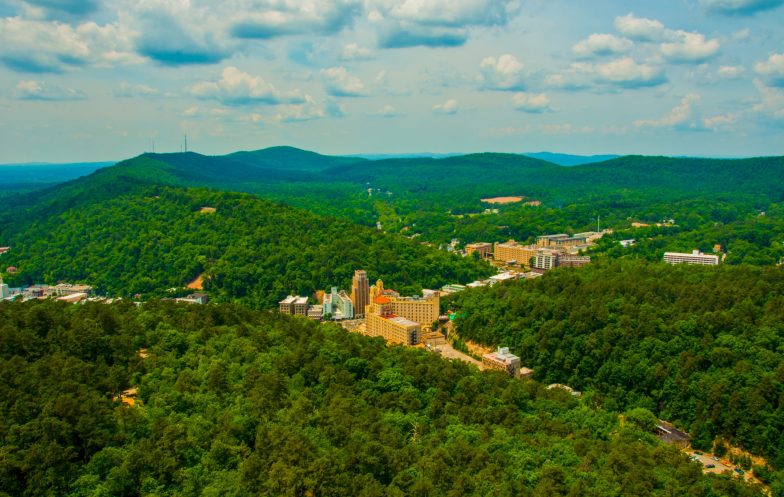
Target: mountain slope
x: 249, y: 249
x: 698, y: 346
x: 233, y: 402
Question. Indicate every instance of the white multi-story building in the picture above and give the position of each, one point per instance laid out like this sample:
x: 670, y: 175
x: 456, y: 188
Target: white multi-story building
x: 696, y: 257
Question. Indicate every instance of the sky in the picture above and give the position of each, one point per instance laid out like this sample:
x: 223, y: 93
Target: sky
x: 84, y: 80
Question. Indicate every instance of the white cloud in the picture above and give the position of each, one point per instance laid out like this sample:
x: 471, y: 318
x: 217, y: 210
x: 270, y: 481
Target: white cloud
x: 239, y: 88
x: 340, y: 83
x: 352, y: 51
x: 502, y: 73
x: 627, y: 73
x: 435, y: 23
x: 387, y: 111
x: 689, y: 47
x: 448, y: 13
x: 309, y: 110
x: 771, y: 103
x: 772, y: 70
x: 129, y: 91
x: 264, y: 19
x: 39, y: 90
x: 47, y: 46
x: 682, y: 116
x: 640, y: 28
x: 450, y: 107
x: 601, y: 44
x: 731, y: 72
x: 721, y: 121
x: 533, y: 103
x: 742, y: 35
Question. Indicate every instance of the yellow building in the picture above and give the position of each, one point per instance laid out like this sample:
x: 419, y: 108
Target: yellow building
x: 485, y: 250
x: 380, y: 321
x: 399, y: 319
x: 513, y: 251
x: 562, y: 241
x: 422, y: 310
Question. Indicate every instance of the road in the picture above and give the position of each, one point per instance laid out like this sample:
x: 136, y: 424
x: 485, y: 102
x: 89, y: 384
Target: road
x: 449, y: 352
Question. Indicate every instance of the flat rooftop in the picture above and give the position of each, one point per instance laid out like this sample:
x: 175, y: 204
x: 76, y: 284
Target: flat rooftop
x: 403, y: 321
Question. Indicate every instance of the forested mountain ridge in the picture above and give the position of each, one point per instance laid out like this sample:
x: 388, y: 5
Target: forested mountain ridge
x: 249, y: 249
x: 700, y: 346
x: 229, y: 401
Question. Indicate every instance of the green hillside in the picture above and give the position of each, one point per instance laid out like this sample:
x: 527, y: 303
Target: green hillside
x: 698, y: 346
x: 249, y: 249
x: 233, y: 402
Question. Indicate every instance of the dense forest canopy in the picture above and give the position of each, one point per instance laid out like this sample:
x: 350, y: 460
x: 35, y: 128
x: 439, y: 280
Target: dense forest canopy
x: 249, y: 249
x: 234, y: 402
x: 699, y: 346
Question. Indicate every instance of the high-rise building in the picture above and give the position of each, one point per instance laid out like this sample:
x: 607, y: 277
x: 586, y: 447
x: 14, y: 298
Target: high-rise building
x: 546, y: 259
x: 338, y: 305
x: 360, y: 292
x: 696, y: 257
x: 4, y: 291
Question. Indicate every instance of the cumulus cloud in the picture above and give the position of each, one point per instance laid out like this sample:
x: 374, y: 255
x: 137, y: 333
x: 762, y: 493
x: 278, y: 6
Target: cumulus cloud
x: 640, y: 28
x: 130, y: 91
x: 739, y: 7
x: 532, y: 103
x: 340, y: 83
x: 387, y: 111
x: 771, y: 103
x: 502, y: 73
x: 42, y: 46
x: 436, y: 23
x: 178, y: 33
x: 352, y: 51
x: 237, y: 88
x: 38, y: 90
x: 627, y: 73
x: 264, y: 19
x: 720, y: 121
x: 689, y: 48
x: 682, y: 116
x: 731, y: 72
x: 772, y: 70
x: 309, y: 110
x: 601, y: 44
x: 450, y: 107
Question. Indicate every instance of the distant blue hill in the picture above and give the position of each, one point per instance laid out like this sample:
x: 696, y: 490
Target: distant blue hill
x: 570, y: 160
x: 40, y: 173
x: 420, y: 155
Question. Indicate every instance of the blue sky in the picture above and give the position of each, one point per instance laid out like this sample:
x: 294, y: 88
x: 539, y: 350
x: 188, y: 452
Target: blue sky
x: 100, y: 80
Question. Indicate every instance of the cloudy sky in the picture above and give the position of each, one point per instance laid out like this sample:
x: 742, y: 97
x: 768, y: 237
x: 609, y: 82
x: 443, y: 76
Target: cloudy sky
x: 102, y: 79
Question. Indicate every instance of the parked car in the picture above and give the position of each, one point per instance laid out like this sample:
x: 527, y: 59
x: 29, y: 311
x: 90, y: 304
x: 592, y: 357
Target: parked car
x: 739, y: 471
x: 710, y: 465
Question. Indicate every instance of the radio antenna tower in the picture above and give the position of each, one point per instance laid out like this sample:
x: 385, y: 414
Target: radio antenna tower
x: 185, y: 144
